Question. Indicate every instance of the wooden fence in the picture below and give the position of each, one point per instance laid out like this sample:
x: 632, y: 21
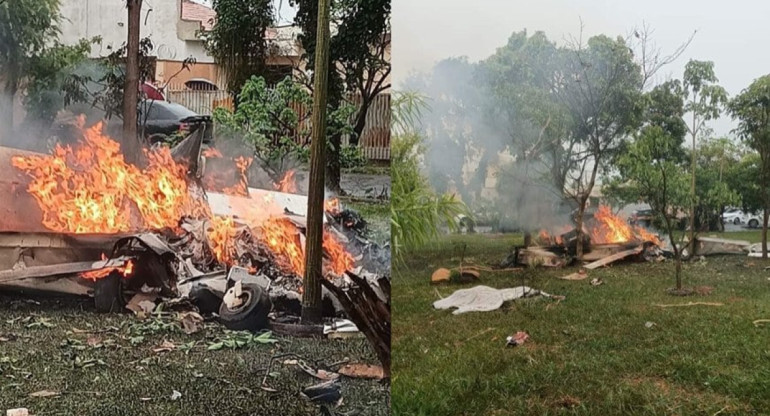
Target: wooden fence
x: 374, y: 142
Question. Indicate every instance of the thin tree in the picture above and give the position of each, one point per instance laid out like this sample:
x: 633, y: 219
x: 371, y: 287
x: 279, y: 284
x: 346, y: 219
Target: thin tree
x: 704, y: 101
x: 131, y: 144
x: 311, y: 296
x: 25, y: 28
x: 752, y: 109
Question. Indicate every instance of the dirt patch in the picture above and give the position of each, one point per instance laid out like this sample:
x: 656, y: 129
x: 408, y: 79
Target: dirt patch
x: 680, y: 393
x: 703, y: 290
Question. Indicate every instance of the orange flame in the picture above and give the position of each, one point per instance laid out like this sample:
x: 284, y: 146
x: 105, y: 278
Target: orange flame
x: 332, y: 205
x: 126, y: 270
x: 91, y: 188
x: 283, y: 238
x: 287, y: 184
x: 221, y: 235
x: 211, y: 153
x: 612, y: 229
x: 242, y: 187
x: 340, y: 260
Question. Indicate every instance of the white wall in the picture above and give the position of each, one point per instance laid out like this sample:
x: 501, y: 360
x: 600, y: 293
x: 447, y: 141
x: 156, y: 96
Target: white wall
x: 108, y: 19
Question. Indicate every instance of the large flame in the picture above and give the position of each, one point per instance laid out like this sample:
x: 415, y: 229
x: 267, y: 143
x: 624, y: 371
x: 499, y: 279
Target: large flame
x: 287, y: 184
x: 91, y: 188
x: 605, y: 228
x: 610, y: 228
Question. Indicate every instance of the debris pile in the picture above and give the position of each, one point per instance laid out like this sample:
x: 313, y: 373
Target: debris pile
x: 165, y: 236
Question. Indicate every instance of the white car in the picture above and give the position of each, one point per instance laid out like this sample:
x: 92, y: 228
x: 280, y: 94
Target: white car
x: 737, y: 217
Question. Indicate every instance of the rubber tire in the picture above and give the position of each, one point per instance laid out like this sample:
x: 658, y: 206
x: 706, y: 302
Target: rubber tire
x: 737, y: 221
x: 205, y: 299
x: 108, y: 293
x: 252, y: 316
x: 753, y: 223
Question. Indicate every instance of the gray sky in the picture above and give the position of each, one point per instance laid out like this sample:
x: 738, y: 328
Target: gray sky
x: 733, y: 34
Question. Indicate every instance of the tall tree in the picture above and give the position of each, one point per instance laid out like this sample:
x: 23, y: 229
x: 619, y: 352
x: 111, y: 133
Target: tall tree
x: 237, y: 40
x: 601, y: 89
x: 357, y: 54
x: 25, y: 28
x: 311, y: 295
x: 752, y: 110
x: 131, y: 143
x: 652, y: 166
x: 704, y: 101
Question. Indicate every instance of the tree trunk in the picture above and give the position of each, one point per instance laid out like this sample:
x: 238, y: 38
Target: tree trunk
x: 579, y: 228
x: 679, y: 271
x: 358, y: 127
x: 333, y: 166
x: 765, y: 214
x: 6, y: 112
x: 692, y: 192
x: 131, y: 144
x: 311, y: 296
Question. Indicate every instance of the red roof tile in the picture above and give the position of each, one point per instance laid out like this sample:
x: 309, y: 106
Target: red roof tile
x: 198, y: 12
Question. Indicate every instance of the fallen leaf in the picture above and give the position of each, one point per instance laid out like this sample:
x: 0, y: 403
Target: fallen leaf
x: 175, y: 395
x: 362, y: 371
x: 165, y: 346
x: 45, y: 393
x: 93, y: 341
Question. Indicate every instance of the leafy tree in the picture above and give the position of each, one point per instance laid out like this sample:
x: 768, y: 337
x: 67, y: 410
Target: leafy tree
x: 267, y: 122
x: 652, y: 165
x: 752, y: 110
x: 601, y: 90
x: 704, y: 101
x: 52, y: 80
x: 26, y: 26
x: 742, y: 177
x: 237, y: 40
x: 357, y: 60
x: 417, y: 211
x: 713, y: 191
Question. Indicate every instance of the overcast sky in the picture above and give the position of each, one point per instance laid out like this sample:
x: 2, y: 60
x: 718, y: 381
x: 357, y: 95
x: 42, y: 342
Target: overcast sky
x: 733, y: 34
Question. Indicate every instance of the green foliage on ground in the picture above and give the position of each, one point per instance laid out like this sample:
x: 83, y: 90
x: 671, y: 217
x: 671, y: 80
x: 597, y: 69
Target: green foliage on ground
x: 117, y: 364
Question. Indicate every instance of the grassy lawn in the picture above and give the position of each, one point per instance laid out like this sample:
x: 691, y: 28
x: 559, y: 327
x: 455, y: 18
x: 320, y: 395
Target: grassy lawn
x: 114, y: 370
x: 590, y: 354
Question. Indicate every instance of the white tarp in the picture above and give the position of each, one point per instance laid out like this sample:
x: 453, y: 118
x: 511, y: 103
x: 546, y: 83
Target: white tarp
x: 484, y: 298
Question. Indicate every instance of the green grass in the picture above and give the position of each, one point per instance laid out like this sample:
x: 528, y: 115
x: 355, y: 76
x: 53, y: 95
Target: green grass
x: 105, y: 373
x: 377, y: 216
x: 590, y: 354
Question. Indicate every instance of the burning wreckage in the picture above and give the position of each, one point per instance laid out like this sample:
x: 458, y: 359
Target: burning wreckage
x: 83, y: 221
x: 606, y: 238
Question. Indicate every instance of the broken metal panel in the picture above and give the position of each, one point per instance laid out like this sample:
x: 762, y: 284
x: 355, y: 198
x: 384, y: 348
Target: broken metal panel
x: 711, y: 246
x: 18, y: 209
x: 71, y: 285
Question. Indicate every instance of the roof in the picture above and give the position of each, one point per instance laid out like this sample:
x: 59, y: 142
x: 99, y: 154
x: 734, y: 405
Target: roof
x: 198, y: 13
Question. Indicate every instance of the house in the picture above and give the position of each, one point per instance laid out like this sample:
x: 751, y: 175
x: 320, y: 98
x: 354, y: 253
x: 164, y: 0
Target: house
x: 174, y: 27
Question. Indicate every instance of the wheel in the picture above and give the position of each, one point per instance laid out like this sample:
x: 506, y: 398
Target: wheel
x: 251, y: 314
x: 205, y: 299
x: 737, y: 221
x: 753, y: 223
x: 108, y: 293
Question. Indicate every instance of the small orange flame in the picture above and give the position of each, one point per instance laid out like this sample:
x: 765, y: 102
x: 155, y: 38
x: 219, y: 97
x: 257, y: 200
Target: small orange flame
x: 242, y: 187
x: 287, y: 184
x: 126, y: 270
x: 332, y: 206
x: 221, y: 235
x: 340, y: 260
x: 282, y: 236
x: 211, y: 153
